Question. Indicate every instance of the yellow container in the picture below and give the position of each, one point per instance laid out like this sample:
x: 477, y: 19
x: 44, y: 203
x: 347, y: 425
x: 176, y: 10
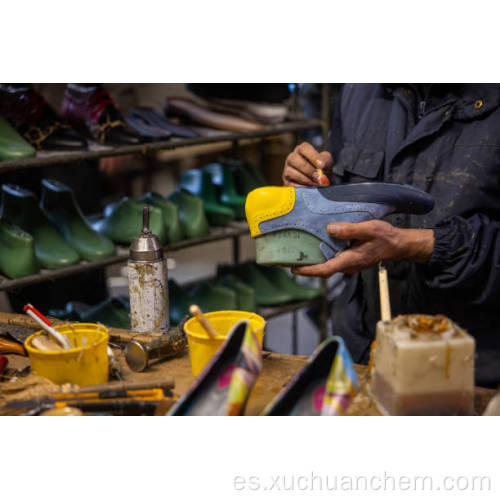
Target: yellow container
x: 81, y: 366
x: 202, y: 347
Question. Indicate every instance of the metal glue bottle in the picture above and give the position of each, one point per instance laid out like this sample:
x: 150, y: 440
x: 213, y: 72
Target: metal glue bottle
x: 147, y: 282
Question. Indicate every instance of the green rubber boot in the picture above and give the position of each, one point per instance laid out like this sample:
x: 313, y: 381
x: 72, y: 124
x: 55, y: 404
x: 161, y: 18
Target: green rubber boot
x: 71, y: 311
x: 20, y: 206
x: 191, y: 213
x: 111, y: 312
x: 199, y: 183
x: 17, y: 251
x: 122, y: 221
x: 59, y: 205
x: 12, y: 145
x: 222, y: 177
x: 285, y: 281
x: 213, y: 298
x: 256, y: 173
x: 179, y: 302
x: 266, y: 293
x: 175, y: 231
x: 245, y: 295
x: 243, y: 179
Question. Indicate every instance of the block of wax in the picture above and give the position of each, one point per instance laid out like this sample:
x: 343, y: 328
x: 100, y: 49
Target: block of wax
x: 422, y: 365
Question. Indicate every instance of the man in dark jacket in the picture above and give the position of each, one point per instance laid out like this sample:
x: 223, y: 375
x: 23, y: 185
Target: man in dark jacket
x: 444, y: 139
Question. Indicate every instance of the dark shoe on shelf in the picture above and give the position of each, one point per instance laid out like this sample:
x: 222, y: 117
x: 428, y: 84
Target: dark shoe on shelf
x: 284, y: 281
x: 31, y: 115
x: 244, y: 181
x: 59, y: 205
x: 245, y: 295
x: 12, y: 145
x: 222, y: 177
x: 122, y: 221
x: 199, y: 183
x: 179, y: 302
x: 111, y: 312
x: 266, y: 292
x: 225, y: 384
x: 156, y: 121
x: 90, y: 109
x: 17, y: 251
x: 21, y: 206
x: 289, y: 223
x: 174, y: 229
x: 325, y: 386
x: 213, y: 298
x: 191, y: 213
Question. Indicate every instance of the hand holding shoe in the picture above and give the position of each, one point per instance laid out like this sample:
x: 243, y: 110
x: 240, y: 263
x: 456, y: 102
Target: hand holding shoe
x: 376, y: 241
x: 302, y: 164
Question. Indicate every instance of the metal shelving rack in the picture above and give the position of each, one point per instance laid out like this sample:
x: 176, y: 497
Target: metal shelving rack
x: 233, y: 231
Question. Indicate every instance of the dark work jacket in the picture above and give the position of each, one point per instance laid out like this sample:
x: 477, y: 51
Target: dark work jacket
x: 444, y: 139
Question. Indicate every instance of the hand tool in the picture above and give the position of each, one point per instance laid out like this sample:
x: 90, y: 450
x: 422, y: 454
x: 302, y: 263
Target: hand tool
x: 165, y: 383
x: 8, y: 347
x: 385, y: 302
x: 3, y: 363
x: 34, y: 313
x: 138, y: 354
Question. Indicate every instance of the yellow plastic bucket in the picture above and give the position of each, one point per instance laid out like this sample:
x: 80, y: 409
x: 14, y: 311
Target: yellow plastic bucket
x: 81, y: 366
x: 202, y: 347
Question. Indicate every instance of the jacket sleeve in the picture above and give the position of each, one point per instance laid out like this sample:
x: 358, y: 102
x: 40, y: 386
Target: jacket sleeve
x: 466, y: 258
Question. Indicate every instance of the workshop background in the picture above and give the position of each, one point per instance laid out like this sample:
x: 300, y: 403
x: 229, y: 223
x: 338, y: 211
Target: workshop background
x: 100, y: 175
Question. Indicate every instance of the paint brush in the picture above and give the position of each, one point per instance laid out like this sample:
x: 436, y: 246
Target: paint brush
x: 202, y: 319
x: 385, y: 301
x: 323, y: 180
x: 34, y: 313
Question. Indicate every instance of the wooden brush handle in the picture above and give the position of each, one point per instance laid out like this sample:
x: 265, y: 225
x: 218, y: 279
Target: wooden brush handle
x: 8, y: 347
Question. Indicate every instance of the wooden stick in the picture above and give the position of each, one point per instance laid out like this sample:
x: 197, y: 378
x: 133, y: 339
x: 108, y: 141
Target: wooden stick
x: 385, y: 301
x: 198, y: 314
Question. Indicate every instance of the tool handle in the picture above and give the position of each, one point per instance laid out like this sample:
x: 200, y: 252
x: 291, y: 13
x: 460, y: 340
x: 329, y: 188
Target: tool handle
x: 385, y: 302
x: 198, y: 314
x: 8, y: 347
x: 62, y: 339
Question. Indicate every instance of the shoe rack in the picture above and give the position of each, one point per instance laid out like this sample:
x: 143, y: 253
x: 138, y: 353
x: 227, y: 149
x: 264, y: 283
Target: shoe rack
x: 232, y: 232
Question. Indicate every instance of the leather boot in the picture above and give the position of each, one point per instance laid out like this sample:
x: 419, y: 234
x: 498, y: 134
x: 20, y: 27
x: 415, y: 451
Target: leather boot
x: 90, y: 109
x: 31, y: 115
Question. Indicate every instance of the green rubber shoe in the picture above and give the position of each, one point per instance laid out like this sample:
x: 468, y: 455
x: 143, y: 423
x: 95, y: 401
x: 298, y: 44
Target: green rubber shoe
x: 71, y: 311
x: 199, y: 183
x: 191, y: 213
x: 243, y: 179
x: 179, y: 302
x: 20, y: 206
x: 12, y: 145
x: 174, y: 229
x: 59, y: 205
x: 245, y: 295
x: 266, y: 293
x: 213, y: 298
x: 110, y: 312
x: 285, y: 281
x: 222, y: 177
x: 122, y: 221
x: 17, y: 251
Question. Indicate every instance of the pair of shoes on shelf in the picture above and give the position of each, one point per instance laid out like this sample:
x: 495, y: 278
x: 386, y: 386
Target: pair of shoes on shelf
x: 53, y: 234
x: 151, y: 123
x: 289, y: 223
x: 32, y: 117
x: 113, y: 312
x: 92, y: 111
x: 325, y: 386
x: 272, y: 286
x: 12, y: 145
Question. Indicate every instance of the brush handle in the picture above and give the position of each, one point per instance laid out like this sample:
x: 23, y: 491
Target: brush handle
x: 198, y: 314
x: 385, y: 302
x: 62, y: 339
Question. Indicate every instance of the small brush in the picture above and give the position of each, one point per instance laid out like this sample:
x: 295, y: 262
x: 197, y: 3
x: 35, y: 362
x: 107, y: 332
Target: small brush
x: 198, y: 314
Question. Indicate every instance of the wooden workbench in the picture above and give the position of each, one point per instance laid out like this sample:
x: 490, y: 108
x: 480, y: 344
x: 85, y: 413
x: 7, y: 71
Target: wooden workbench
x: 277, y: 371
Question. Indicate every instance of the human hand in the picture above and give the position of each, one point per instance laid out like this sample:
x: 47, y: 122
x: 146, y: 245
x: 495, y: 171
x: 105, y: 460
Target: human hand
x: 302, y: 163
x: 376, y: 241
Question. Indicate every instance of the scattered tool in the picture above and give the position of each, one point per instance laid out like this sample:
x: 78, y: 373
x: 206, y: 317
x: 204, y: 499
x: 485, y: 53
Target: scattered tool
x: 34, y: 313
x: 166, y: 383
x: 8, y: 347
x: 114, y: 366
x: 138, y: 354
x: 148, y: 287
x: 16, y: 333
x: 385, y: 302
x: 207, y: 326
